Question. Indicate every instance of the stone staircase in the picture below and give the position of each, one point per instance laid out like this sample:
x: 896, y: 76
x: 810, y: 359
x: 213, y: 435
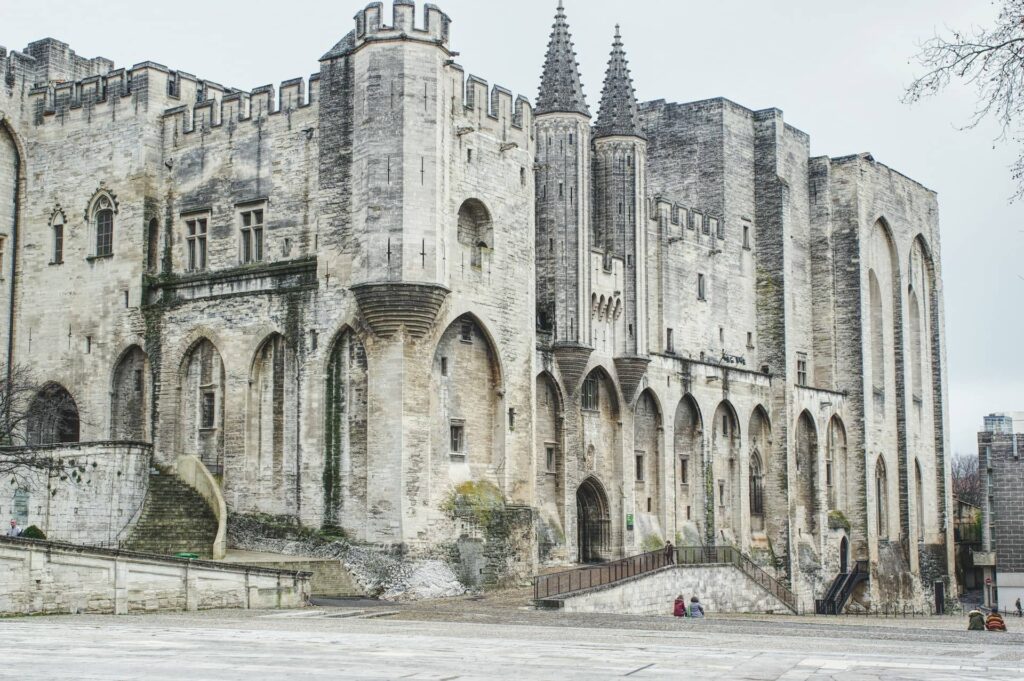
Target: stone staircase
x: 175, y: 519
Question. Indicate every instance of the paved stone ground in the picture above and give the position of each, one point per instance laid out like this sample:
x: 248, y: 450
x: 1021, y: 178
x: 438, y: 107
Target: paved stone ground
x: 497, y: 638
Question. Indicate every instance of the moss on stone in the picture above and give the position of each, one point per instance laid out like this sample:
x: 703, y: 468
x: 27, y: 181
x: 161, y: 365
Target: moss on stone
x: 838, y: 521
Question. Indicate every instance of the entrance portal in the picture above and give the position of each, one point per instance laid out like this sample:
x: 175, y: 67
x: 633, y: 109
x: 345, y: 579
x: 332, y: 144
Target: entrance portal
x: 844, y: 556
x: 593, y: 526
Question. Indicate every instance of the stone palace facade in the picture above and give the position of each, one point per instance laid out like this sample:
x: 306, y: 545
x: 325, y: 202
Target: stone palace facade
x: 353, y: 293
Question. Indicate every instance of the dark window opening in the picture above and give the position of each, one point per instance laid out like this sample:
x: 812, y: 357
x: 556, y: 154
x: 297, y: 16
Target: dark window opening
x: 252, y: 236
x: 58, y: 243
x: 208, y: 407
x: 639, y: 467
x: 458, y: 439
x: 195, y: 240
x: 105, y: 232
x: 589, y: 399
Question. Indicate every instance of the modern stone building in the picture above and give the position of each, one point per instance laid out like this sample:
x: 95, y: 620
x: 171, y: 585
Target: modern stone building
x: 1002, y: 528
x: 350, y: 294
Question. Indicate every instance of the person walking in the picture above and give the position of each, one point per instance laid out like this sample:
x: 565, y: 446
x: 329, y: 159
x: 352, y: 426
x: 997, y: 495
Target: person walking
x: 15, y: 531
x: 1020, y: 613
x: 670, y: 554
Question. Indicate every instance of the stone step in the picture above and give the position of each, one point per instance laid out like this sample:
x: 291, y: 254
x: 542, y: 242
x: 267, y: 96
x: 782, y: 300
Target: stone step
x: 174, y: 519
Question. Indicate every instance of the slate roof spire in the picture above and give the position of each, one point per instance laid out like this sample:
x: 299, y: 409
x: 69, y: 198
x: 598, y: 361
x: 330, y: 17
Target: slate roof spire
x: 617, y: 114
x: 560, y: 87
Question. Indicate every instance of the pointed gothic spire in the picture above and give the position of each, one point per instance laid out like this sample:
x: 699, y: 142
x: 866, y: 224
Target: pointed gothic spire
x: 617, y: 114
x: 560, y: 86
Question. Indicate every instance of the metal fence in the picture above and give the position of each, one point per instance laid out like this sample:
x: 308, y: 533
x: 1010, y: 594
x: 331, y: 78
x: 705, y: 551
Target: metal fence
x: 589, y: 576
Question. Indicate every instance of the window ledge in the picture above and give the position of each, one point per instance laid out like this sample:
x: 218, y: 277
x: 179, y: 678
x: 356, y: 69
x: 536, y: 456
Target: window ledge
x: 455, y: 456
x: 54, y: 263
x: 212, y: 429
x: 91, y: 258
x: 550, y: 472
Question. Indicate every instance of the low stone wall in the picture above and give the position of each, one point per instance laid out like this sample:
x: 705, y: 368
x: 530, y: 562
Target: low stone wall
x: 38, y: 577
x: 720, y: 588
x: 95, y: 506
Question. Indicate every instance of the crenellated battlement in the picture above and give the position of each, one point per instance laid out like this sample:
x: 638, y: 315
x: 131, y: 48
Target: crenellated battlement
x: 492, y: 109
x: 371, y: 26
x: 679, y: 219
x: 220, y: 107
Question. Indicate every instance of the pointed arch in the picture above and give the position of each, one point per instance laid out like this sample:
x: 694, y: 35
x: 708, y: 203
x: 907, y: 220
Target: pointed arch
x: 58, y: 234
x: 345, y: 433
x: 593, y: 521
x: 551, y: 470
x: 130, y: 388
x: 687, y: 441
x: 837, y: 466
x: 882, y: 523
x: 52, y: 417
x: 272, y: 425
x: 99, y: 215
x: 201, y: 405
x: 756, y: 488
x: 759, y: 445
x: 647, y: 452
x: 806, y: 486
x: 467, y: 397
x: 599, y: 389
x: 727, y: 471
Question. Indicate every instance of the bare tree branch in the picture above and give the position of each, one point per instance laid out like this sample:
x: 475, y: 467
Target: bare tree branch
x: 992, y: 61
x: 35, y: 418
x: 967, y: 479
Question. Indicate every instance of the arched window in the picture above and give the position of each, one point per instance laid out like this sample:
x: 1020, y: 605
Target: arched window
x: 57, y: 231
x: 475, y: 230
x: 882, y: 499
x: 877, y: 339
x: 756, y: 485
x: 102, y: 216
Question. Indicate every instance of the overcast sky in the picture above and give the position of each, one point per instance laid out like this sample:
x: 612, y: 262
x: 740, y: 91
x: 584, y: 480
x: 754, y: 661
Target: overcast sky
x: 837, y: 70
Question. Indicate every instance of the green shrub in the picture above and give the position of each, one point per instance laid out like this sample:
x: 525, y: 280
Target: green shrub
x: 33, y: 532
x: 651, y: 542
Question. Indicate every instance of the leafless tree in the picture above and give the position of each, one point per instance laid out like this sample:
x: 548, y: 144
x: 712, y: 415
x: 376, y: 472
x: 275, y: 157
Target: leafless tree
x: 34, y: 417
x: 992, y: 61
x: 967, y: 479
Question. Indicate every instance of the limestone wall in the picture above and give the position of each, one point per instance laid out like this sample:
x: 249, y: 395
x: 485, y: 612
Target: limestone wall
x: 720, y: 588
x: 93, y: 500
x: 49, y: 578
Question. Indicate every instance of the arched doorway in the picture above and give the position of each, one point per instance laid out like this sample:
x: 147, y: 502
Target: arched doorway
x: 129, y: 397
x: 592, y: 522
x: 844, y: 555
x: 52, y: 417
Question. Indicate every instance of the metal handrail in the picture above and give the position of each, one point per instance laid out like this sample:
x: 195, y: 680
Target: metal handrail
x: 587, y: 577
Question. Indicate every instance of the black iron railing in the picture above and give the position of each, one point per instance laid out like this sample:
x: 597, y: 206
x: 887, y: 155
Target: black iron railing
x: 589, y: 576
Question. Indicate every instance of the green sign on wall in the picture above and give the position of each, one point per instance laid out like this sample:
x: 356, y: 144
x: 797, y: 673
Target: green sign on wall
x: 629, y: 521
